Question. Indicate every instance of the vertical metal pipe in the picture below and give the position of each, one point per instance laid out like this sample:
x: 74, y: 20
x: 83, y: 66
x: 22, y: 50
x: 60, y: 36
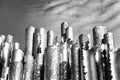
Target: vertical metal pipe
x: 86, y: 65
x: 3, y: 37
x: 64, y: 25
x: 39, y: 50
x: 64, y: 65
x: 88, y: 42
x: 36, y: 40
x: 28, y: 68
x: 51, y: 65
x: 84, y: 55
x: 75, y: 68
x: 16, y: 45
x: 1, y: 42
x: 64, y: 71
x: 39, y: 40
x: 111, y: 67
x: 64, y: 52
x: 50, y: 38
x: 16, y: 69
x: 9, y: 39
x: 98, y: 36
x: 6, y: 54
x: 56, y: 41
x: 0, y: 56
x: 99, y: 64
x: 82, y: 75
x: 29, y: 40
x: 92, y: 62
x: 28, y: 60
x: 43, y: 40
x: 6, y: 61
x: 69, y: 33
x: 38, y: 67
x: 69, y: 39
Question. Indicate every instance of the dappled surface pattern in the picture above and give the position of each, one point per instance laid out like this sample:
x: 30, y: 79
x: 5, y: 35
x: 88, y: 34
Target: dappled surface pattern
x: 82, y: 15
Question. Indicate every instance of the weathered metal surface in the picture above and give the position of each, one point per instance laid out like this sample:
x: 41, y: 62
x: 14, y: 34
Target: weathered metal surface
x: 51, y: 64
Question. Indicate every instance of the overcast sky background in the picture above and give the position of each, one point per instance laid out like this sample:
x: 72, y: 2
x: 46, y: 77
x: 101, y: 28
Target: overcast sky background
x: 82, y: 15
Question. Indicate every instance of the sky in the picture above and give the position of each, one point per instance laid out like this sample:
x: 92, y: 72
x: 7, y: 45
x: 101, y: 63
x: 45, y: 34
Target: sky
x: 82, y: 15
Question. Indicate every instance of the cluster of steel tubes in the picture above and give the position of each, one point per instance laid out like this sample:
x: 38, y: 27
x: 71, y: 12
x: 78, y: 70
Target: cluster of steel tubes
x: 47, y: 58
